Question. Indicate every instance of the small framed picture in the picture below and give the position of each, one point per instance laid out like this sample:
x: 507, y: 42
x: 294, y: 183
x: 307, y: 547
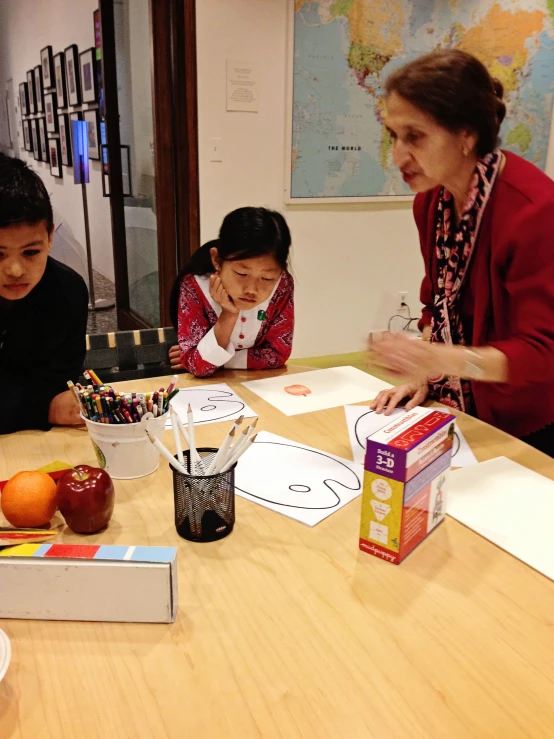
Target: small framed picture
x: 47, y: 64
x: 72, y: 74
x: 65, y: 139
x: 35, y: 139
x: 59, y: 76
x: 39, y: 89
x: 91, y: 117
x: 51, y: 112
x: 89, y: 82
x: 55, y: 157
x: 24, y: 98
x: 27, y: 136
x: 42, y: 139
x: 31, y: 91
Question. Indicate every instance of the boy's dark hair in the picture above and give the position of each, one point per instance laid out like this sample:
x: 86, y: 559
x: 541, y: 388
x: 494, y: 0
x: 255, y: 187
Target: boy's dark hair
x: 23, y: 196
x: 457, y: 90
x: 245, y: 233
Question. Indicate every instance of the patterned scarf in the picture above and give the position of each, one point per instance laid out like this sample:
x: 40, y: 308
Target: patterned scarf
x: 454, y: 250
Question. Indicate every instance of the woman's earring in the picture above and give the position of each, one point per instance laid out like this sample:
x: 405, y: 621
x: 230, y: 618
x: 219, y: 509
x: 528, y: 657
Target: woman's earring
x: 465, y: 151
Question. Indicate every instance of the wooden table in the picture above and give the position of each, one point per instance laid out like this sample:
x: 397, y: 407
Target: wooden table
x: 288, y: 631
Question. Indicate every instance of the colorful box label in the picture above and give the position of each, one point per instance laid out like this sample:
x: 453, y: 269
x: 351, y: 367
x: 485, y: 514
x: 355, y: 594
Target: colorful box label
x: 406, y: 470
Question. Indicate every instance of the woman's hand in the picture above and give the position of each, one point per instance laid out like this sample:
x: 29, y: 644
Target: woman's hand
x: 175, y: 357
x: 64, y: 410
x: 221, y: 296
x: 408, y: 357
x: 387, y: 400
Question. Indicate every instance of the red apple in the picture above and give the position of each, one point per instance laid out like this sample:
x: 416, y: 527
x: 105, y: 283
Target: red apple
x: 86, y: 498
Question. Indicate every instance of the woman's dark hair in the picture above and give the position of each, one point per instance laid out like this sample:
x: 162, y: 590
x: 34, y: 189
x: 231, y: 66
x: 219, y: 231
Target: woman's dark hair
x: 245, y: 233
x: 457, y: 90
x: 23, y: 196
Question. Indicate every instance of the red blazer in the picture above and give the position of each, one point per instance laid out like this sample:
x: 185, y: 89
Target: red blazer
x: 512, y: 279
x: 274, y: 340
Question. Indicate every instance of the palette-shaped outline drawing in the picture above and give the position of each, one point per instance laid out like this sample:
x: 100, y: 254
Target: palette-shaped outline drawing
x: 213, y: 395
x: 307, y: 489
x: 455, y: 445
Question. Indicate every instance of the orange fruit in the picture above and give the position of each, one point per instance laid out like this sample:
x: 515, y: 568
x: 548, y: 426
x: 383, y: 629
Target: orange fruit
x: 29, y: 499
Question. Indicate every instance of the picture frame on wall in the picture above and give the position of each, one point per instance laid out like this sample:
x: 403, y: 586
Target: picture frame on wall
x: 59, y: 77
x: 72, y: 78
x: 35, y: 139
x: 51, y: 112
x: 55, y: 157
x: 23, y: 98
x: 47, y: 64
x: 89, y: 81
x: 65, y: 139
x: 31, y: 91
x: 39, y: 93
x: 27, y: 138
x: 91, y: 117
x: 42, y: 139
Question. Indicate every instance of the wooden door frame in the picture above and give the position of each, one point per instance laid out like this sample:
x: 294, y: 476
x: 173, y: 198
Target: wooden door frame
x: 174, y: 90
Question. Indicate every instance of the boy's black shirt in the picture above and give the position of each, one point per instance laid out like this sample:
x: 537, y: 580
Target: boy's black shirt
x: 42, y: 346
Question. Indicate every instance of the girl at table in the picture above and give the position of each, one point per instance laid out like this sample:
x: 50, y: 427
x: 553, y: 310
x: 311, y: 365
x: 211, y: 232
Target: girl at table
x: 233, y: 305
x: 486, y: 223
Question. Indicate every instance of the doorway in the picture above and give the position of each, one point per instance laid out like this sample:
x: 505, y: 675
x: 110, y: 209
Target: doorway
x: 151, y: 139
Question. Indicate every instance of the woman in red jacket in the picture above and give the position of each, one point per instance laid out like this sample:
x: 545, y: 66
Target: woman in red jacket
x: 486, y: 226
x: 233, y: 303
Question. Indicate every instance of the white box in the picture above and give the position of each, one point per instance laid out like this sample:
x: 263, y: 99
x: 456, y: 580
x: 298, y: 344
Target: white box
x: 89, y: 583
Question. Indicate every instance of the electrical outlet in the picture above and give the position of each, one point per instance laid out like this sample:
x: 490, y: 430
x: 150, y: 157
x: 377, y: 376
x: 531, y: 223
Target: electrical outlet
x: 403, y: 308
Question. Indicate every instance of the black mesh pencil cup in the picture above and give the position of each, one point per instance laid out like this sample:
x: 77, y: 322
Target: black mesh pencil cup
x: 204, y: 504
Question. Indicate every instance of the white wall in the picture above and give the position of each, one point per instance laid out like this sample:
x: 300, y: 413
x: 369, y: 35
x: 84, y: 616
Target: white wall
x: 349, y: 262
x: 26, y: 26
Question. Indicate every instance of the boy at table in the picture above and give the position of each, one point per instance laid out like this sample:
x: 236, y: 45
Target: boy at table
x: 43, y: 309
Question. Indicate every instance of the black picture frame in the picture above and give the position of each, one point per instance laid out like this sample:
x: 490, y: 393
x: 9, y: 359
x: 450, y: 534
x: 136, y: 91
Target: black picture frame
x: 39, y: 89
x: 51, y: 112
x: 55, y: 154
x: 75, y: 116
x: 43, y: 140
x: 31, y: 91
x: 36, y: 139
x: 92, y: 118
x: 59, y: 79
x: 47, y: 64
x: 72, y: 75
x: 27, y: 138
x: 65, y: 139
x: 23, y: 98
x: 89, y: 79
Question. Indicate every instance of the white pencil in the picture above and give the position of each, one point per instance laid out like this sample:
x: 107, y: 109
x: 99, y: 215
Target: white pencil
x: 246, y: 434
x: 235, y: 457
x: 176, y: 436
x: 167, y: 454
x: 194, y: 457
x: 176, y: 420
x: 221, y: 457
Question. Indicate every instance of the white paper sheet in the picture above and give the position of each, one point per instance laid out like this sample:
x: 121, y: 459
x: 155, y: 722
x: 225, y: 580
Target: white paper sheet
x: 509, y: 505
x: 210, y: 404
x: 317, y: 390
x: 363, y: 422
x: 296, y: 480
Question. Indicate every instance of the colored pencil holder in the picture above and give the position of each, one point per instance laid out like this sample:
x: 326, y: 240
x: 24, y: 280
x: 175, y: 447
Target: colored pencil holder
x: 204, y: 504
x: 124, y: 450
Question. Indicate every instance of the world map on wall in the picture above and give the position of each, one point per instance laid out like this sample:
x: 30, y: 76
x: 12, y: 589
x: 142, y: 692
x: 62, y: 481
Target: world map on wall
x: 345, y: 49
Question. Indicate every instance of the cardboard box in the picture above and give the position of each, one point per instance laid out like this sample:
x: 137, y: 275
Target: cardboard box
x: 83, y: 582
x: 406, y: 466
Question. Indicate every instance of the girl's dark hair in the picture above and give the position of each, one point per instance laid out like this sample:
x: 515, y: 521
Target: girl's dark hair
x: 457, y: 90
x: 245, y: 233
x: 23, y: 196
